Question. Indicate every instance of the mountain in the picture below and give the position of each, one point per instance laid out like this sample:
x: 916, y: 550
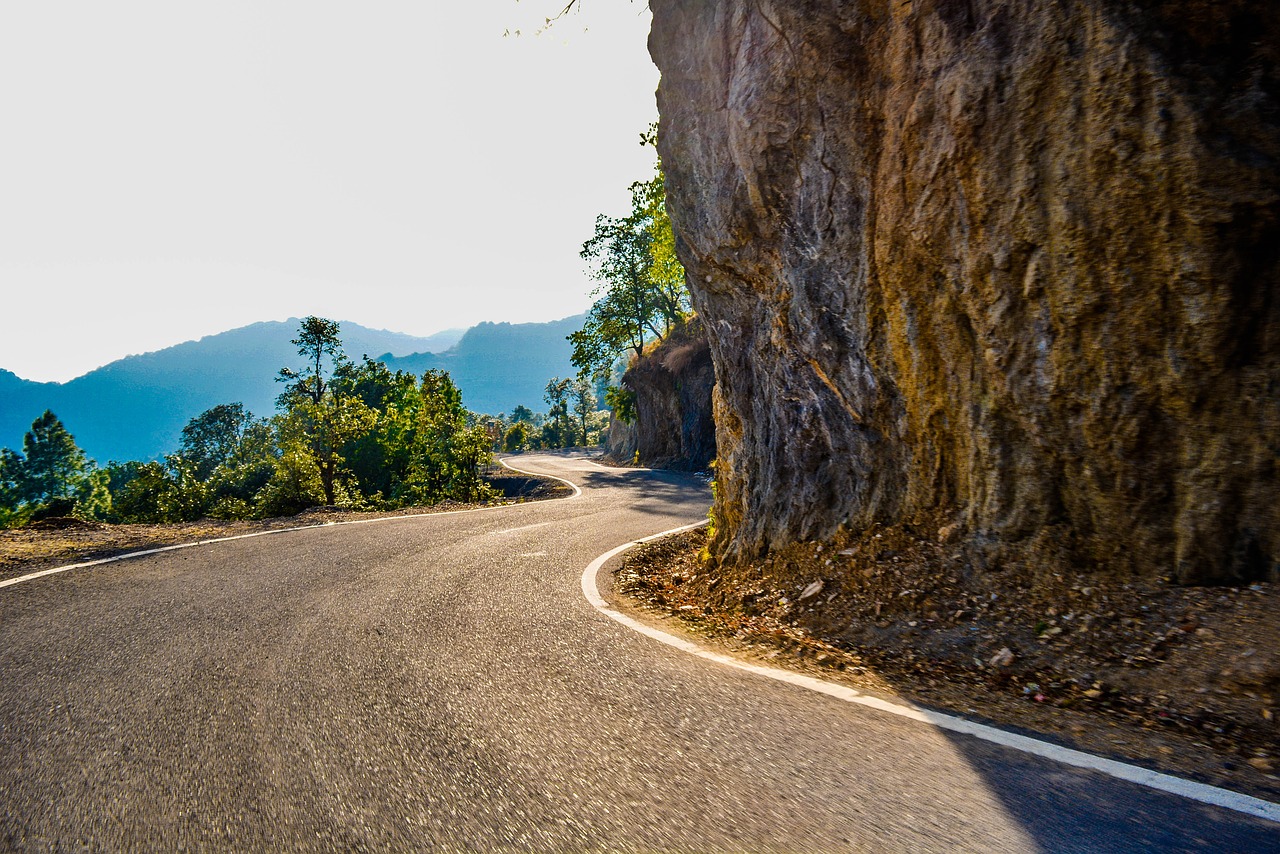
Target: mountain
x: 501, y: 365
x: 136, y: 407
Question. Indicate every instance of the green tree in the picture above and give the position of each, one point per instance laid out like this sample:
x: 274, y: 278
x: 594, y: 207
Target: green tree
x: 140, y: 492
x: 642, y: 293
x: 93, y: 495
x: 235, y: 485
x: 11, y: 503
x: 558, y: 430
x: 211, y: 437
x: 51, y: 477
x: 522, y: 413
x: 319, y: 343
x: 54, y: 465
x: 187, y: 496
x: 582, y: 399
x: 623, y: 403
x: 516, y: 438
x: 318, y: 418
x: 295, y: 483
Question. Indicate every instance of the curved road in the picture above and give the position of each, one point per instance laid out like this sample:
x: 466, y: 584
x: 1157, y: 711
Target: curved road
x: 440, y: 683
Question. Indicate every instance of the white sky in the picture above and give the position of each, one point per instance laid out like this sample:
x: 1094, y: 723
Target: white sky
x: 171, y: 170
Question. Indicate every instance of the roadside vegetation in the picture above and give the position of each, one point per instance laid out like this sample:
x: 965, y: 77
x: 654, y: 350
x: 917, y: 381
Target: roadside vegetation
x: 350, y: 435
x: 641, y: 295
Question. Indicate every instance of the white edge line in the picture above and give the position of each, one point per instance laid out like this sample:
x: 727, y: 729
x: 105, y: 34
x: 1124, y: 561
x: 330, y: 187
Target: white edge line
x: 577, y: 492
x: 158, y: 550
x: 1201, y: 792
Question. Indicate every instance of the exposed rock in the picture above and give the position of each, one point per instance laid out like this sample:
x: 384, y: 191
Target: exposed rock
x: 672, y: 384
x: 812, y: 590
x: 621, y: 441
x: 1011, y: 261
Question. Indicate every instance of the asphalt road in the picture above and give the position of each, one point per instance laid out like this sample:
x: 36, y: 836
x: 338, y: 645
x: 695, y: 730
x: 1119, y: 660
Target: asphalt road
x: 440, y: 683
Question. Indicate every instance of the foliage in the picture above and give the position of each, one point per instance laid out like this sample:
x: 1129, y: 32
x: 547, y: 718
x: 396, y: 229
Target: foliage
x: 211, y: 437
x: 143, y: 497
x: 623, y: 403
x: 641, y: 292
x: 346, y: 434
x: 582, y: 399
x: 704, y: 556
x: 53, y: 462
x: 51, y: 477
x: 12, y: 510
x: 321, y: 416
x: 516, y: 438
x: 558, y: 430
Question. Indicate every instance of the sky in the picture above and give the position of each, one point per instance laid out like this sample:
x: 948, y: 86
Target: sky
x: 173, y: 170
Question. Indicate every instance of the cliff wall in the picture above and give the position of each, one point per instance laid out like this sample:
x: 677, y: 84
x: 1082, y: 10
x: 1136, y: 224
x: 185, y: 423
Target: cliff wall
x: 1010, y: 264
x: 672, y: 384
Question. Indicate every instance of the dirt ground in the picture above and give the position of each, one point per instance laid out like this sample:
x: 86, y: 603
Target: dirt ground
x: 56, y: 542
x: 1181, y: 680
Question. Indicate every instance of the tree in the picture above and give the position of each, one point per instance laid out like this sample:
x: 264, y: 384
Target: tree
x: 54, y: 465
x: 51, y: 477
x: 11, y: 503
x: 522, y: 413
x: 583, y: 401
x: 237, y: 482
x: 318, y: 418
x: 642, y: 291
x: 558, y: 431
x: 318, y: 342
x: 211, y: 437
x: 516, y: 438
x: 140, y: 492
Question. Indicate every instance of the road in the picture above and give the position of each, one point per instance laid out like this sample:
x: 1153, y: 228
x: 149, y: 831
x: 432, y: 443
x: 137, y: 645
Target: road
x: 441, y: 683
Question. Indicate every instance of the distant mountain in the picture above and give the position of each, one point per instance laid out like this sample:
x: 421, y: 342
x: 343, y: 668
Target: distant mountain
x: 501, y: 365
x: 135, y: 408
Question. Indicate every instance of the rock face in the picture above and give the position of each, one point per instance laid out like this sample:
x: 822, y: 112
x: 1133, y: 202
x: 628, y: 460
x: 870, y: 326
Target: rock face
x: 620, y: 441
x: 1009, y: 263
x: 672, y: 384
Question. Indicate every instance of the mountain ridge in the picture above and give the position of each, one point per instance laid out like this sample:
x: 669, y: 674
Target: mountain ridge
x: 135, y: 407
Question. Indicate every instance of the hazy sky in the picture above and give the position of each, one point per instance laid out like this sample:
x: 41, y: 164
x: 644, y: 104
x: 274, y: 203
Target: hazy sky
x: 170, y: 170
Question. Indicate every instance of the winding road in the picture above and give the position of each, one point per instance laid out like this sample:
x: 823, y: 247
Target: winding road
x: 441, y: 683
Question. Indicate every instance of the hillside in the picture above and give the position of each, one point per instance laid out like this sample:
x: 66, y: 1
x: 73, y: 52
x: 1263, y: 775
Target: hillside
x: 134, y: 408
x: 501, y: 365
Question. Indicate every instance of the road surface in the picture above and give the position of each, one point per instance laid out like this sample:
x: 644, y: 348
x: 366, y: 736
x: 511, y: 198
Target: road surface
x: 441, y: 683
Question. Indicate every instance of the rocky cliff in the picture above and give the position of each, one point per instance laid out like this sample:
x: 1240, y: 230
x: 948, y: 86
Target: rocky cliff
x: 672, y: 384
x: 1009, y: 266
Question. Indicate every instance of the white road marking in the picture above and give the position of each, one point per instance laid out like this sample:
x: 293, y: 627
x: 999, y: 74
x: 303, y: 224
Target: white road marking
x: 1201, y: 792
x: 577, y: 491
x: 1163, y: 782
x: 130, y: 555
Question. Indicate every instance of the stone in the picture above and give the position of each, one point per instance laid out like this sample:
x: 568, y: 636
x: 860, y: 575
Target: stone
x: 1011, y: 261
x: 812, y: 590
x: 672, y: 383
x: 1003, y: 658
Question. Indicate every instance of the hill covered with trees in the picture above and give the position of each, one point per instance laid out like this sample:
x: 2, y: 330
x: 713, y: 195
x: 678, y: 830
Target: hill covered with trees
x: 135, y: 408
x: 345, y: 433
